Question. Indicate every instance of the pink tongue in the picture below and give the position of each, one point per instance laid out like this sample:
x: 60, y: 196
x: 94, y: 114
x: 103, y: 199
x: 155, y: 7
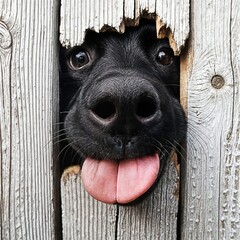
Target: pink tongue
x: 110, y: 182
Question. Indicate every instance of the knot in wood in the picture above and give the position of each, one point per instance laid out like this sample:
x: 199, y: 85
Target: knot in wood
x: 217, y: 82
x: 5, y: 36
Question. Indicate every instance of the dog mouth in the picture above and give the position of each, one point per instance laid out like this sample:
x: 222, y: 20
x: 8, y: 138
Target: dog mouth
x: 121, y: 182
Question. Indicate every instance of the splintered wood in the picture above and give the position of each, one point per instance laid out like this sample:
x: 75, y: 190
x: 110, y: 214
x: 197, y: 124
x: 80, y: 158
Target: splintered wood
x: 78, y: 16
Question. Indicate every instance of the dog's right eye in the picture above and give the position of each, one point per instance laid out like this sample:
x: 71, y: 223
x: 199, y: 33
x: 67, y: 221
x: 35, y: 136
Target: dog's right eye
x: 165, y: 56
x: 78, y: 59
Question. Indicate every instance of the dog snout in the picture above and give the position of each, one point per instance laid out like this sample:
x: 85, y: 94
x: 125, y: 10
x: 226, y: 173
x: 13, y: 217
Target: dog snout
x: 123, y: 142
x: 106, y: 110
x: 146, y: 107
x: 124, y: 111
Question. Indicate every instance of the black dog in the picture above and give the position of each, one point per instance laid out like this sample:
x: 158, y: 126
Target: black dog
x: 119, y: 94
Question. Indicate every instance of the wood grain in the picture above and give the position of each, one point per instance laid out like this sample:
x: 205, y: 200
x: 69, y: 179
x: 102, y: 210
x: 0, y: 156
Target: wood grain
x: 77, y: 16
x: 156, y: 217
x: 28, y: 76
x: 85, y: 218
x: 211, y: 193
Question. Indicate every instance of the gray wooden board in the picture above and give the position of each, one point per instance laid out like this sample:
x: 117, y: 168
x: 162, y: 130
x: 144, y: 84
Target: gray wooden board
x: 28, y: 79
x: 85, y: 218
x: 77, y: 16
x: 156, y: 217
x: 211, y: 185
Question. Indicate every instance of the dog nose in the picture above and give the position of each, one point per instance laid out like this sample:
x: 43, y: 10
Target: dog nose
x: 122, y: 142
x: 141, y: 108
x: 104, y: 110
x: 145, y: 108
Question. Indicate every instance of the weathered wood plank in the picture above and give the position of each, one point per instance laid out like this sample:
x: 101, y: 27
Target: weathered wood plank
x: 83, y: 217
x: 156, y: 216
x: 211, y: 185
x: 175, y: 15
x: 77, y: 16
x: 28, y: 78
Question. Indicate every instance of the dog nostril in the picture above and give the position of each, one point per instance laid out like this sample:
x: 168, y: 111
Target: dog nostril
x: 104, y: 109
x: 119, y: 142
x: 146, y: 107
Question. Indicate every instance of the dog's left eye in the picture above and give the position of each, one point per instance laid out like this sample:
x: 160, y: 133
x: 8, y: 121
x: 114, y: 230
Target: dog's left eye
x: 78, y: 59
x: 165, y: 56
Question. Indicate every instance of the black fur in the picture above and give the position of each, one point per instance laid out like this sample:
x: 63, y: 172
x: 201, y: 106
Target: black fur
x: 124, y: 102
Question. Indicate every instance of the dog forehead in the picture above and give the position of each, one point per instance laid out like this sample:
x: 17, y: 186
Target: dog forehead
x: 123, y: 50
x: 132, y: 39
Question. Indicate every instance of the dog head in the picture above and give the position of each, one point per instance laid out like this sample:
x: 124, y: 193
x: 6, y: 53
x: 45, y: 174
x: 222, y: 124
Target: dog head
x: 119, y: 92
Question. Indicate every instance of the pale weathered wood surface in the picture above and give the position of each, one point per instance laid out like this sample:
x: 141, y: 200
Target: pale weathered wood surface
x: 28, y: 81
x: 212, y: 178
x: 77, y: 16
x: 85, y: 218
x: 156, y: 217
x: 82, y: 216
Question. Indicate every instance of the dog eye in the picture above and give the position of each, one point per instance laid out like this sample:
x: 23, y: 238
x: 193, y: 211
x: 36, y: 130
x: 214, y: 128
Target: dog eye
x: 78, y: 59
x: 165, y: 56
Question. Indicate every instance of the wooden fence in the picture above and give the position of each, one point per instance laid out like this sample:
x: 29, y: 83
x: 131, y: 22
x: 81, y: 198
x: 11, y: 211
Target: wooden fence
x: 207, y: 203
